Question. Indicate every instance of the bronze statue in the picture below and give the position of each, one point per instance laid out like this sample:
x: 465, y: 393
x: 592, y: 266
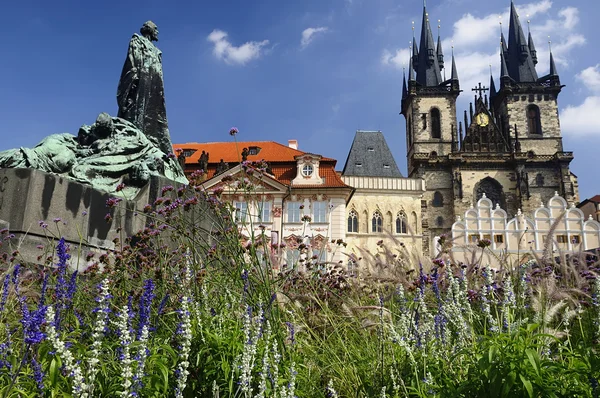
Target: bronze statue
x: 140, y: 94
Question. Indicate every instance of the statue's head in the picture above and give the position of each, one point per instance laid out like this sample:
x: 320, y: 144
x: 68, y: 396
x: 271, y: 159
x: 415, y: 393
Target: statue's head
x: 150, y: 31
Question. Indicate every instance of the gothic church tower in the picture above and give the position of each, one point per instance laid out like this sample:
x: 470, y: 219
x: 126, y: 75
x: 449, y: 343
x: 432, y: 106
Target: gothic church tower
x: 508, y: 145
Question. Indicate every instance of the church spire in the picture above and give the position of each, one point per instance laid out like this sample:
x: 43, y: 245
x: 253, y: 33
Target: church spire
x: 532, y: 49
x: 428, y: 68
x: 553, y: 71
x: 438, y: 51
x: 454, y: 72
x: 521, y: 66
x: 493, y: 91
x: 404, y: 88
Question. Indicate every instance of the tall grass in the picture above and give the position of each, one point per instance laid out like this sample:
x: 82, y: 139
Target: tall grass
x: 174, y: 312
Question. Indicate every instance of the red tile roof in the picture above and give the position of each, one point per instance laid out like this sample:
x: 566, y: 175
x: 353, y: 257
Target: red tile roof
x: 280, y: 158
x: 231, y: 151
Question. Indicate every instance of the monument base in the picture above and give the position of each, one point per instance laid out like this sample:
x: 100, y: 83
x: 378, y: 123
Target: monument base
x: 38, y: 207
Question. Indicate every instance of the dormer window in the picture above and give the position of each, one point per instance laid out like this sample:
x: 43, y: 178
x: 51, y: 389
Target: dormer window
x: 253, y: 150
x: 386, y: 166
x: 358, y: 164
x: 307, y: 170
x: 371, y: 149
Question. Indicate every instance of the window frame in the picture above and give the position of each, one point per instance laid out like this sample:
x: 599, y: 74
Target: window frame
x: 240, y: 209
x: 292, y: 212
x: 319, y: 211
x: 352, y: 226
x: 377, y: 223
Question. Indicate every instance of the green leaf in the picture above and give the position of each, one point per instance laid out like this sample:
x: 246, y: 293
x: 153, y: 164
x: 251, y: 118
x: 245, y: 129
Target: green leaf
x: 527, y: 385
x: 533, y: 360
x: 53, y: 372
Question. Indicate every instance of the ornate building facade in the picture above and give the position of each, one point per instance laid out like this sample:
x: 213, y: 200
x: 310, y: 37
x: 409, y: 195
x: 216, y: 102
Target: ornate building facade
x: 508, y: 145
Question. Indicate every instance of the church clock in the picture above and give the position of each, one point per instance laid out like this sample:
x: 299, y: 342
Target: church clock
x: 482, y: 119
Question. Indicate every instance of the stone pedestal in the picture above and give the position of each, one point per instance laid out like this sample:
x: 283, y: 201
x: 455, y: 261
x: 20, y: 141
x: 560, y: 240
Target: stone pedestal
x: 74, y: 211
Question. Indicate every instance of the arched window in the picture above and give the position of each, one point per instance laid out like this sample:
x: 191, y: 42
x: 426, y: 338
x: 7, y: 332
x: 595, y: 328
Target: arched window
x: 493, y: 191
x: 440, y: 221
x: 534, y: 125
x: 352, y: 221
x: 409, y: 131
x: 539, y: 180
x: 436, y: 126
x: 438, y: 199
x: 377, y: 222
x: 401, y: 223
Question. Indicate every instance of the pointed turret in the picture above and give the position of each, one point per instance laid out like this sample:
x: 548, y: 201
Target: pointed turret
x: 428, y: 68
x: 521, y: 67
x: 454, y: 72
x: 411, y: 71
x: 440, y: 54
x: 553, y: 71
x: 503, y: 42
x: 492, y: 88
x: 504, y: 77
x: 404, y: 88
x: 415, y: 51
x: 554, y: 79
x: 532, y: 49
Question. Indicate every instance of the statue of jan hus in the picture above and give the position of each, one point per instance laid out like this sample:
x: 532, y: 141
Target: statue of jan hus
x: 140, y: 94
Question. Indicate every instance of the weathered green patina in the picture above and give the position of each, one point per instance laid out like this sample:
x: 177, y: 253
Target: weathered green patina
x: 128, y: 149
x: 105, y: 154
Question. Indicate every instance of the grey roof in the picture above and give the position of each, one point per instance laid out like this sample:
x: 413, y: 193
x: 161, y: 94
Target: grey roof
x: 521, y: 66
x: 370, y: 156
x: 428, y: 67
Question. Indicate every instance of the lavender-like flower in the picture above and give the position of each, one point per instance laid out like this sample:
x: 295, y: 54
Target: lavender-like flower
x: 330, y: 391
x: 79, y: 386
x: 5, y: 287
x: 62, y: 290
x: 100, y: 325
x: 145, y: 306
x: 125, y: 357
x: 185, y: 332
x: 38, y: 376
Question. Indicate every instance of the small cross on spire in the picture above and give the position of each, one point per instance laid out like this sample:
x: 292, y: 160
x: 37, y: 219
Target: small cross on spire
x: 481, y: 89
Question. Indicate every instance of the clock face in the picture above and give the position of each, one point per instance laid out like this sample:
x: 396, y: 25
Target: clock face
x: 482, y: 119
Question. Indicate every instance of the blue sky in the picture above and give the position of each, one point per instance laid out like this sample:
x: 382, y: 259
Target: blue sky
x: 311, y: 70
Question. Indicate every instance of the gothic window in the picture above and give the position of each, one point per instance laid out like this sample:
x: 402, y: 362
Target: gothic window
x: 377, y: 222
x: 436, y: 126
x: 492, y: 190
x: 438, y: 199
x: 401, y: 223
x: 439, y: 221
x: 534, y: 124
x: 352, y: 221
x: 539, y: 180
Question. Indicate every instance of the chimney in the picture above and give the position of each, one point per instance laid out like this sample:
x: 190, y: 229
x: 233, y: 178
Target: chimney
x: 293, y: 144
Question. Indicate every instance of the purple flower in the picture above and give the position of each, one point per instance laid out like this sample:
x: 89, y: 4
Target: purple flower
x: 38, y: 376
x: 145, y: 306
x: 5, y: 287
x: 61, y: 289
x: 32, y: 321
x: 162, y: 304
x: 292, y: 332
x: 233, y: 131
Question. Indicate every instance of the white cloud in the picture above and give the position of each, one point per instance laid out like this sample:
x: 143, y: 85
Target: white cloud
x: 476, y: 41
x: 308, y: 35
x: 582, y: 120
x: 224, y: 50
x: 399, y: 59
x: 591, y: 78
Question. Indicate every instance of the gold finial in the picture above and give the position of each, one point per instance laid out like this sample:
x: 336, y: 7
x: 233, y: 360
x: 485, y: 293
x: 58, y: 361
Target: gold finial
x: 490, y: 69
x: 549, y: 44
x: 413, y: 26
